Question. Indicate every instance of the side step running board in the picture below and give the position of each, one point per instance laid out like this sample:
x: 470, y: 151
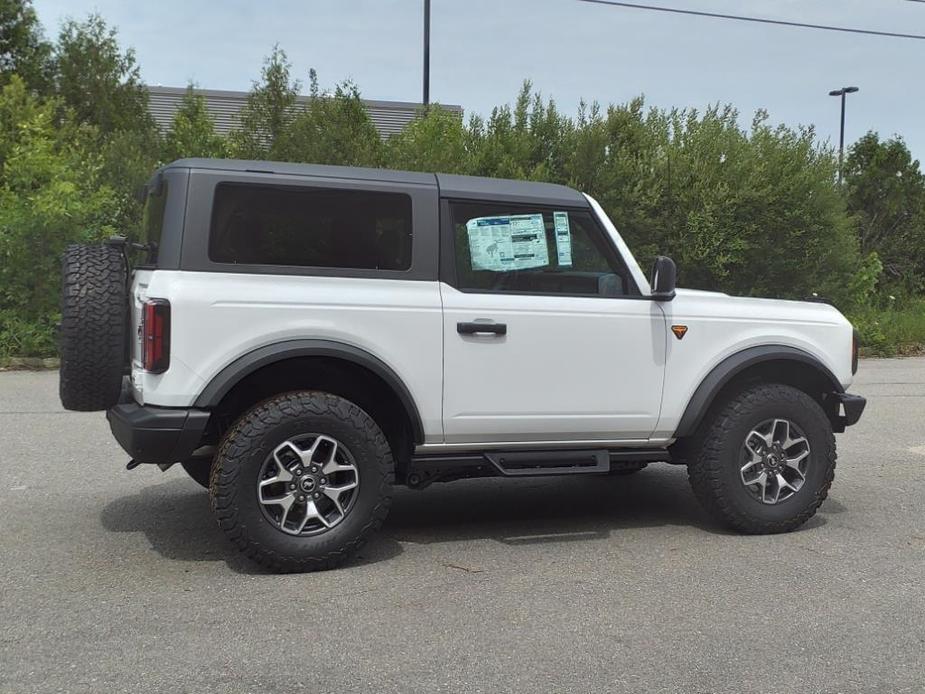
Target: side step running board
x: 550, y: 462
x: 443, y: 467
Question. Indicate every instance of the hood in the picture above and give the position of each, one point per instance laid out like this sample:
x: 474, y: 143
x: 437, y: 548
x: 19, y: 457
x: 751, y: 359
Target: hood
x: 719, y: 304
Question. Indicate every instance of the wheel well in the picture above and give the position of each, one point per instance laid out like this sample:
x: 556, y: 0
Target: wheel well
x: 340, y: 377
x: 801, y: 374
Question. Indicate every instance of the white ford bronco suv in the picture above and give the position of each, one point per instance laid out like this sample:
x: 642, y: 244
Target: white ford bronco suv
x: 302, y: 338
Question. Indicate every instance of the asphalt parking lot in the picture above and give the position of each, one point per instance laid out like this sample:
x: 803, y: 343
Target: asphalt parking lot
x: 115, y: 581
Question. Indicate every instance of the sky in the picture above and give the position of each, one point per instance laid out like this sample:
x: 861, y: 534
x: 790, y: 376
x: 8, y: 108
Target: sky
x: 482, y: 50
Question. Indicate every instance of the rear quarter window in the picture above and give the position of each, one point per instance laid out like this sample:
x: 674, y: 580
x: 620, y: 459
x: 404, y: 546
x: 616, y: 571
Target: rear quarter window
x: 255, y: 224
x: 152, y: 217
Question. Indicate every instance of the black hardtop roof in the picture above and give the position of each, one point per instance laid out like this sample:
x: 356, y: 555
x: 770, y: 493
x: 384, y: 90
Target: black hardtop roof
x: 450, y: 185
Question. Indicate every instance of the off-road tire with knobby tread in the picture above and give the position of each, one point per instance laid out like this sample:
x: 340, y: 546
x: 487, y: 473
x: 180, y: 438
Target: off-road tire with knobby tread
x: 94, y: 316
x: 245, y: 447
x: 714, y: 459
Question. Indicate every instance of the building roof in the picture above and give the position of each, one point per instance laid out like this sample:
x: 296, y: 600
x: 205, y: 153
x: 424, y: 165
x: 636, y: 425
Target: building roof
x: 450, y: 185
x: 389, y: 117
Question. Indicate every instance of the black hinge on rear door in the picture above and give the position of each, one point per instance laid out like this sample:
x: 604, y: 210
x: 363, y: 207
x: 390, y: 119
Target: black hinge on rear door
x: 124, y: 245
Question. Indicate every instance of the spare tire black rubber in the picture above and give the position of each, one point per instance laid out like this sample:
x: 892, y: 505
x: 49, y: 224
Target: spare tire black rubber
x: 94, y: 310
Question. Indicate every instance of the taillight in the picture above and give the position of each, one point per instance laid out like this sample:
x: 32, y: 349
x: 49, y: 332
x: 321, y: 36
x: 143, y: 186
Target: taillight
x: 155, y: 331
x: 855, y: 348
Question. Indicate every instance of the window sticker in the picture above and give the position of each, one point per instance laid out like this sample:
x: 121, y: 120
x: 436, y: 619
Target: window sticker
x: 563, y: 238
x: 514, y: 242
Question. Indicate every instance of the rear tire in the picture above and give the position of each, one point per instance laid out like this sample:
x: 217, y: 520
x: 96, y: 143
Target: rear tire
x: 747, y: 439
x: 94, y: 316
x: 281, y: 481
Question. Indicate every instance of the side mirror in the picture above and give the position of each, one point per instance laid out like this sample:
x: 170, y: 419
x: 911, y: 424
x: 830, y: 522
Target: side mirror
x: 664, y: 275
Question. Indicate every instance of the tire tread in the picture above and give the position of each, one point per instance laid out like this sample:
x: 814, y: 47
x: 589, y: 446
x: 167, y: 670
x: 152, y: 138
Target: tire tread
x: 705, y: 468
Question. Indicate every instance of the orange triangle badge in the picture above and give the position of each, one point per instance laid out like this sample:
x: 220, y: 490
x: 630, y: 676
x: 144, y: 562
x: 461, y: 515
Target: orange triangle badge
x: 679, y: 331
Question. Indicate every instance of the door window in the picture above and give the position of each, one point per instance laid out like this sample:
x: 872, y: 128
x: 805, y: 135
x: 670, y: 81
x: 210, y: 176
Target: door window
x: 519, y: 249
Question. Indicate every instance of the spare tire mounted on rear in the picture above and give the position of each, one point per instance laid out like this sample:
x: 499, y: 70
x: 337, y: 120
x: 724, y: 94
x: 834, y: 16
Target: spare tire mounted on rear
x: 94, y: 318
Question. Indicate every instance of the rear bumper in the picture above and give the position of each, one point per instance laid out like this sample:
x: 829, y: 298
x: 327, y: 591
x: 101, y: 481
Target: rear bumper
x: 849, y: 410
x: 157, y: 434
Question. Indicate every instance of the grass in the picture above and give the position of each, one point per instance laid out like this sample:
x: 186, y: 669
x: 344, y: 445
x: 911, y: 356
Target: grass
x: 893, y: 330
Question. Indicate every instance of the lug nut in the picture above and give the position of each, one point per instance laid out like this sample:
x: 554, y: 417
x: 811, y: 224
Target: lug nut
x: 317, y: 495
x: 314, y: 468
x: 292, y: 486
x: 298, y: 471
x: 323, y: 481
x: 301, y: 497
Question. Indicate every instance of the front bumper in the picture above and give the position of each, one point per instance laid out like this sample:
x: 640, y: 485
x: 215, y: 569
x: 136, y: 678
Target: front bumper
x: 848, y: 410
x: 152, y: 434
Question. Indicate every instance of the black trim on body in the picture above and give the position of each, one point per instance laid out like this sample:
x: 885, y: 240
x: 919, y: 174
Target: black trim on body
x: 157, y: 434
x: 727, y: 369
x: 232, y: 374
x: 854, y: 407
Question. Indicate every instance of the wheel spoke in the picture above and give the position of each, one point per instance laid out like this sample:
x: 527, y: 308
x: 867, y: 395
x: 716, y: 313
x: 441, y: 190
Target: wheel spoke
x: 783, y: 483
x: 334, y: 494
x: 761, y: 479
x: 312, y: 512
x: 333, y: 466
x: 794, y: 463
x: 790, y: 443
x: 283, y: 474
x: 764, y: 493
x: 285, y: 502
x: 308, y: 457
x: 748, y: 466
x: 756, y: 442
x: 780, y: 431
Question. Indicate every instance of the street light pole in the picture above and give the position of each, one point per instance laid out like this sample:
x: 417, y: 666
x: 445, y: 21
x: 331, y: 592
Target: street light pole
x: 843, y: 93
x: 426, y: 100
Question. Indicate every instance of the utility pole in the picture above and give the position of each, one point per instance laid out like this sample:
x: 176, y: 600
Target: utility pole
x: 426, y: 100
x: 843, y: 92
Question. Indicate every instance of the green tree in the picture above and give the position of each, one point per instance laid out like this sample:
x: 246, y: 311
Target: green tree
x: 99, y: 81
x: 268, y: 112
x: 436, y: 141
x: 886, y: 194
x: 51, y: 194
x: 530, y: 141
x: 23, y: 49
x: 332, y: 128
x: 192, y: 133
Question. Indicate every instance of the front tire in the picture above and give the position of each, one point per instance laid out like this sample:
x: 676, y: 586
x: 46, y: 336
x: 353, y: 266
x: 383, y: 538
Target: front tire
x: 765, y: 461
x: 301, y: 481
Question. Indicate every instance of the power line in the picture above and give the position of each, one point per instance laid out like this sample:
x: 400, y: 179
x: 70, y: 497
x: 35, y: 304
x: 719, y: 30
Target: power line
x: 758, y: 20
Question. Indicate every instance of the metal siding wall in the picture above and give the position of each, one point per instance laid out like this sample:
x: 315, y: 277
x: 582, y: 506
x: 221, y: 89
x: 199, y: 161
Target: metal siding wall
x: 389, y: 117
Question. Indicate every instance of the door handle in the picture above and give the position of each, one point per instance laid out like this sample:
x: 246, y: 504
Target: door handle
x: 481, y: 328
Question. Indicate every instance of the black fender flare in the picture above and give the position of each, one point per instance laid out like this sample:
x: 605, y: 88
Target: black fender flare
x: 735, y: 364
x: 247, y: 364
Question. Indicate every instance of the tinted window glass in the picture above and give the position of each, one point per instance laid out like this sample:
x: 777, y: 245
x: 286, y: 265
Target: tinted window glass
x: 152, y: 217
x: 533, y: 250
x: 318, y: 227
